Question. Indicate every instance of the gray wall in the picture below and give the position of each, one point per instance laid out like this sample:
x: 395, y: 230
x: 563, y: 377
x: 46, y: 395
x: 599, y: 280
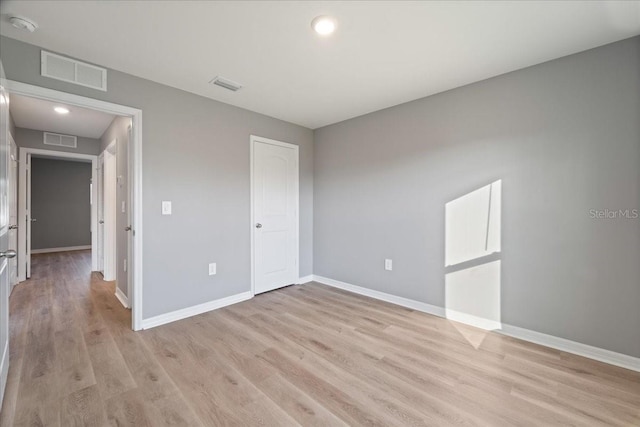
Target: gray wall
x: 119, y: 130
x: 564, y: 137
x: 30, y: 138
x: 196, y: 154
x: 60, y: 193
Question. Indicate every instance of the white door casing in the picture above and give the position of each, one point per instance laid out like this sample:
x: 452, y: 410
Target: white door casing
x: 100, y: 213
x: 109, y: 202
x: 29, y: 219
x: 274, y: 226
x: 13, y: 210
x: 135, y: 260
x: 24, y: 204
x: 4, y: 235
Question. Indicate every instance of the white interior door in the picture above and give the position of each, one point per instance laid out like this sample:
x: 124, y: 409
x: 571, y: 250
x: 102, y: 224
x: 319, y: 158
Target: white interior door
x: 100, y: 213
x: 275, y: 214
x: 109, y: 211
x: 13, y: 210
x: 6, y: 252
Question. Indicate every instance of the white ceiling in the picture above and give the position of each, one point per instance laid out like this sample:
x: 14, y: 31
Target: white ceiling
x: 38, y: 114
x: 383, y: 53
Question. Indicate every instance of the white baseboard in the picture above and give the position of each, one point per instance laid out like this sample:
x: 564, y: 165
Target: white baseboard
x: 183, y: 313
x: 305, y: 279
x: 562, y: 344
x: 568, y: 346
x: 470, y: 319
x: 405, y: 302
x: 65, y: 249
x: 122, y: 297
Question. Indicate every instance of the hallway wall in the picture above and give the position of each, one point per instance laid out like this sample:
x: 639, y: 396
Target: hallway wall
x: 119, y: 130
x: 60, y: 201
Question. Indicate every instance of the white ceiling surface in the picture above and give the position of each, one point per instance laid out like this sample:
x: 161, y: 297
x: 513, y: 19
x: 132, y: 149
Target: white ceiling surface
x: 38, y: 114
x: 384, y: 52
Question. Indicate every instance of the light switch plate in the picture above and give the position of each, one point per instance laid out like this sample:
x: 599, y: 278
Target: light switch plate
x: 212, y: 269
x: 388, y: 264
x: 123, y: 206
x: 166, y: 208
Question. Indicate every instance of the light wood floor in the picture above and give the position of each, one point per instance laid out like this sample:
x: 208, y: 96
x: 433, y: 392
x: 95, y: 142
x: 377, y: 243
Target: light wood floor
x: 304, y: 355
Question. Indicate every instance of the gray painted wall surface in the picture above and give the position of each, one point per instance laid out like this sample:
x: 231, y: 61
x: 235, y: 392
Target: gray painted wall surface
x: 564, y: 137
x: 119, y: 130
x: 60, y: 202
x: 30, y: 138
x: 196, y: 154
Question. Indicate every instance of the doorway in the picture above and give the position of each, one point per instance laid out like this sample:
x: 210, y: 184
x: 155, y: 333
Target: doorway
x: 274, y: 214
x: 133, y: 188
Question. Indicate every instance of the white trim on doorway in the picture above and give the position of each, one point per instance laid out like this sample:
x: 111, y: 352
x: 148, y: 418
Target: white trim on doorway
x: 24, y: 214
x: 108, y: 189
x: 135, y: 179
x: 253, y: 139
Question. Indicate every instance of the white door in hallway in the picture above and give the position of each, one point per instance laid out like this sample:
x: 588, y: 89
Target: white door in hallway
x: 275, y: 214
x: 109, y: 212
x: 6, y: 252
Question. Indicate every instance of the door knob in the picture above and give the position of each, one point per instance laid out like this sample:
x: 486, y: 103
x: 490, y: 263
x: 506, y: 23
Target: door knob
x: 13, y: 227
x: 33, y: 220
x: 258, y: 225
x: 101, y: 222
x: 127, y: 228
x: 9, y: 253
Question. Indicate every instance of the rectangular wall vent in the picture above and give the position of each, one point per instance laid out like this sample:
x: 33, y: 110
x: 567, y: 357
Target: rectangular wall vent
x: 72, y: 71
x: 226, y: 83
x: 60, y: 140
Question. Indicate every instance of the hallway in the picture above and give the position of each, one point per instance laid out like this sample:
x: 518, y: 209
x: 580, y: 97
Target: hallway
x: 64, y: 324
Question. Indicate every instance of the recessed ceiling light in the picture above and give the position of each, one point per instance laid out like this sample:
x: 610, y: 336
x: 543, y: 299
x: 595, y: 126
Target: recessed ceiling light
x: 23, y: 23
x: 324, y: 25
x: 61, y: 110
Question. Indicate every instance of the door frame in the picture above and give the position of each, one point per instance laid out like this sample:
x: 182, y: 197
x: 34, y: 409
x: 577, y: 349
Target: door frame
x: 135, y: 178
x: 12, y: 204
x: 253, y: 140
x: 99, y: 190
x: 24, y: 195
x: 110, y: 212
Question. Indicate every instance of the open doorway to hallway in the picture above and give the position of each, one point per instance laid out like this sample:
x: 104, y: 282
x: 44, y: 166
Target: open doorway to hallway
x: 73, y: 192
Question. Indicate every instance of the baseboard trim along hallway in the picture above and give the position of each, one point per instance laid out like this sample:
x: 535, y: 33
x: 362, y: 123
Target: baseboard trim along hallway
x: 122, y: 298
x: 562, y: 344
x: 65, y: 249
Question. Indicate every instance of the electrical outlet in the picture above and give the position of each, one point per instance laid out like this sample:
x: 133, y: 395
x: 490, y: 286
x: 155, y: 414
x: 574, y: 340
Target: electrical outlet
x: 388, y: 264
x: 212, y: 269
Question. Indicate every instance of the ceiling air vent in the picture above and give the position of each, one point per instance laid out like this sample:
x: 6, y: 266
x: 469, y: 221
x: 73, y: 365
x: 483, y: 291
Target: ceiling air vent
x: 72, y: 71
x: 226, y: 83
x: 60, y: 140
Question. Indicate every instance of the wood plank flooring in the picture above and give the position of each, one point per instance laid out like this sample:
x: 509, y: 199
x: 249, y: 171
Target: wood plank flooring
x: 304, y: 355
